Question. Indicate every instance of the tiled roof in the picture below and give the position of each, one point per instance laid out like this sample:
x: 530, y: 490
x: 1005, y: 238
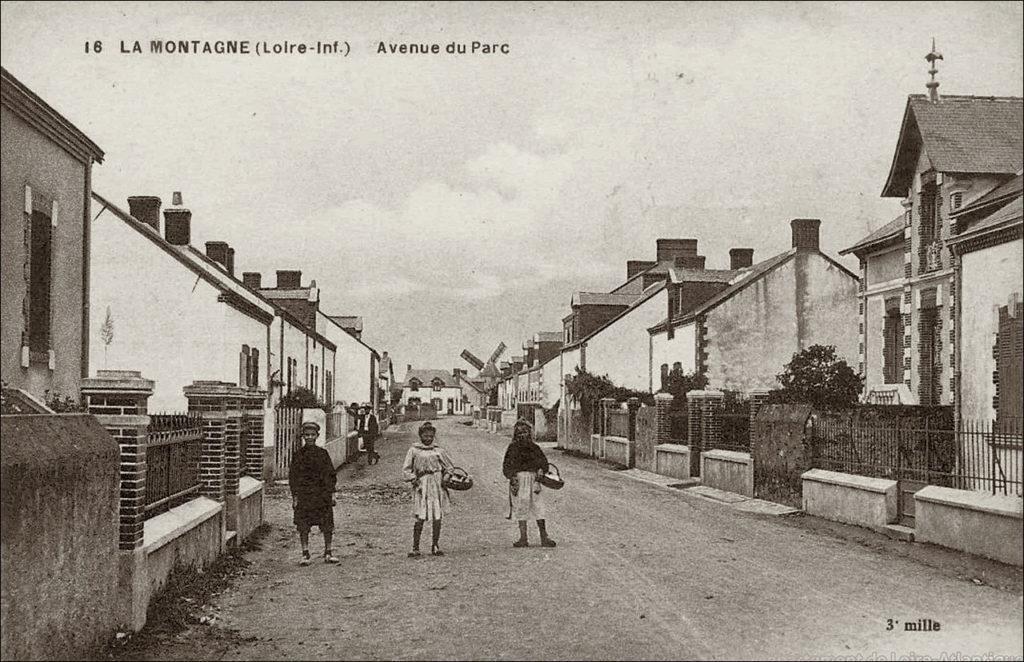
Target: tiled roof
x: 1007, y: 189
x: 348, y: 321
x: 1006, y: 216
x: 602, y: 299
x: 428, y: 375
x: 893, y: 228
x: 959, y: 134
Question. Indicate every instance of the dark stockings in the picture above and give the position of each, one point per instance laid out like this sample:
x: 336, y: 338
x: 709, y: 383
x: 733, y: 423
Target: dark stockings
x: 417, y: 531
x: 436, y: 534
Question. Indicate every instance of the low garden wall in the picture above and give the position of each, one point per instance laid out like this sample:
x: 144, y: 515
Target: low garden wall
x: 617, y: 450
x: 731, y: 471
x: 848, y: 498
x: 988, y: 525
x: 250, y: 506
x: 672, y: 460
x: 190, y: 535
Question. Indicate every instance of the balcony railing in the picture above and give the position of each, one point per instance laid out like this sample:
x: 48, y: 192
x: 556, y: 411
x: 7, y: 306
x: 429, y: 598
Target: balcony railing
x: 933, y: 256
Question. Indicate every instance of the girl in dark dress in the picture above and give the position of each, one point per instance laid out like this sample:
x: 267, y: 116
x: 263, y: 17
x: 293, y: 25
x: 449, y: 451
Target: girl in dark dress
x: 524, y: 461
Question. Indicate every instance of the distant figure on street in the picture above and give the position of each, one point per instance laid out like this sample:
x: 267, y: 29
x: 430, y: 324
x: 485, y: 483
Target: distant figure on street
x: 311, y: 479
x: 424, y: 468
x: 369, y: 429
x: 524, y: 461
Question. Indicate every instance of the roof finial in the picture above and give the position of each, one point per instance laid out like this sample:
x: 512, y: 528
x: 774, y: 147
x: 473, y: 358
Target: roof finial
x: 933, y: 85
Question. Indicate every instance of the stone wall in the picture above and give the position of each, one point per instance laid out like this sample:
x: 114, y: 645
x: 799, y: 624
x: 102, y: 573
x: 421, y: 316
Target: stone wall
x: 60, y: 536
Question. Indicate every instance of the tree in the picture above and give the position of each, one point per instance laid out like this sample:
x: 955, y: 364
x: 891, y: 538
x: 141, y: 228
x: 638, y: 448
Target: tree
x: 107, y: 334
x: 587, y: 389
x: 816, y: 376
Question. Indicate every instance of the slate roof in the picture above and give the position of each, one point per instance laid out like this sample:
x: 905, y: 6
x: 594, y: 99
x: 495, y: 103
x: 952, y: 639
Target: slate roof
x: 754, y: 274
x: 890, y: 230
x: 680, y: 275
x: 647, y: 294
x: 1004, y: 191
x: 602, y: 299
x: 427, y: 375
x: 960, y: 134
x: 549, y: 336
x: 1011, y: 214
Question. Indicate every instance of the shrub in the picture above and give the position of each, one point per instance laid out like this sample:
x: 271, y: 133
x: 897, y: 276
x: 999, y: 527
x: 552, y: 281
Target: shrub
x: 817, y: 377
x: 680, y: 383
x: 304, y: 398
x: 587, y: 389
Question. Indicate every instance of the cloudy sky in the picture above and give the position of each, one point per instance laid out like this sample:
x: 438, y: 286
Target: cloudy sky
x: 458, y: 200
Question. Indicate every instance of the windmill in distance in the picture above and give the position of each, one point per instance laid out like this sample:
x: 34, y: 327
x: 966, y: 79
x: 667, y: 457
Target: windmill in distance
x: 488, y: 372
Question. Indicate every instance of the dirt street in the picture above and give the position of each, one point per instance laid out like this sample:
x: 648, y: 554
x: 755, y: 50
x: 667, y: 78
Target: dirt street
x: 639, y: 572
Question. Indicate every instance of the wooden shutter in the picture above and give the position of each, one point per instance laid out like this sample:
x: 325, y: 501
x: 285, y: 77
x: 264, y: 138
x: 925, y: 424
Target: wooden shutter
x: 1011, y: 354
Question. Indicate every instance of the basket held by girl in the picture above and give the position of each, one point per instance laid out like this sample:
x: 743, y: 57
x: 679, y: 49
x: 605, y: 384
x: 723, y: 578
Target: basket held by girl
x: 430, y: 471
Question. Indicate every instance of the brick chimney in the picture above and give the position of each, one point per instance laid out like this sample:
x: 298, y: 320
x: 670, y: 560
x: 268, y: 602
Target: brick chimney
x: 178, y: 226
x: 805, y: 233
x: 218, y: 252
x: 669, y: 249
x: 741, y: 258
x: 145, y: 208
x: 288, y: 279
x: 230, y: 264
x: 252, y: 279
x: 689, y: 261
x: 633, y: 267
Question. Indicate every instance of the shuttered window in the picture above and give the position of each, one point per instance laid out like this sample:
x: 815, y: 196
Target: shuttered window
x: 892, y: 342
x: 40, y: 275
x: 1010, y: 354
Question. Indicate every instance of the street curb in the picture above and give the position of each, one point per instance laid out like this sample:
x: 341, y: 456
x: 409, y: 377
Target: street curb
x: 744, y: 504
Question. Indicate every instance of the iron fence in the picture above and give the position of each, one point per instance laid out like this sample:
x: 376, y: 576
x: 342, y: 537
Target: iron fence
x: 679, y: 426
x: 735, y: 423
x: 173, y: 448
x: 617, y: 423
x: 977, y: 456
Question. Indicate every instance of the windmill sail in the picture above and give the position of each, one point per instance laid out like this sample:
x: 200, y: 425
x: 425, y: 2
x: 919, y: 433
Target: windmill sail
x: 469, y: 358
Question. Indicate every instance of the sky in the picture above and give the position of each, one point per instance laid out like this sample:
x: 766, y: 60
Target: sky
x: 455, y: 201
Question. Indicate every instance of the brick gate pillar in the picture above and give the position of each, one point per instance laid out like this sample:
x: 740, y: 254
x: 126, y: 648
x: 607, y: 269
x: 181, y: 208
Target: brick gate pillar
x: 632, y: 405
x: 663, y: 432
x: 704, y: 418
x: 119, y: 401
x: 232, y: 416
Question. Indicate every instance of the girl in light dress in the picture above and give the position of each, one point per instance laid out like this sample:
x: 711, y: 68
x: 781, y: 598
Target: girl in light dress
x: 425, y: 468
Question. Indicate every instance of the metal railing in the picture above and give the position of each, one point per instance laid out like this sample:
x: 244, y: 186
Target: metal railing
x: 173, y: 448
x: 617, y: 423
x: 735, y: 424
x: 978, y: 456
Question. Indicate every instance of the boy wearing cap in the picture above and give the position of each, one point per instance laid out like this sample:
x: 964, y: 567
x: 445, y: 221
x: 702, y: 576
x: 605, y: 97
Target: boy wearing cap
x: 311, y: 479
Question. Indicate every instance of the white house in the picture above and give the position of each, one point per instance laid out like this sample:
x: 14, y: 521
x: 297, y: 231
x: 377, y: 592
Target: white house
x: 179, y: 315
x: 439, y: 388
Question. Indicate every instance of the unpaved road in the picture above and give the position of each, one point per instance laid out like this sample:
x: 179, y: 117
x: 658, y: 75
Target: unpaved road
x: 640, y: 572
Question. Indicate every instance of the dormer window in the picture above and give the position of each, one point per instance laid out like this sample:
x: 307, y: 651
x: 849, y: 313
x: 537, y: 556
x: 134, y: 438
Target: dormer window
x: 414, y: 384
x: 437, y: 384
x: 956, y: 201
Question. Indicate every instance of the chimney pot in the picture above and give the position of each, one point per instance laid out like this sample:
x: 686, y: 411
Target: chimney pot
x: 218, y: 252
x: 231, y: 261
x: 668, y: 249
x: 288, y: 279
x: 178, y: 226
x: 805, y: 233
x: 145, y: 208
x: 252, y: 279
x: 741, y: 258
x: 176, y: 199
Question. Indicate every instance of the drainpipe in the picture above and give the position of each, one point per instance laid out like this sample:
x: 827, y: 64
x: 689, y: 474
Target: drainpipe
x: 86, y: 208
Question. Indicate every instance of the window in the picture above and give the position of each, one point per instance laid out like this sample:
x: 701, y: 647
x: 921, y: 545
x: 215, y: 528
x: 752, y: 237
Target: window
x: 892, y: 342
x: 437, y: 384
x: 40, y: 265
x: 930, y: 230
x: 414, y: 384
x: 930, y: 350
x: 956, y: 201
x: 292, y: 370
